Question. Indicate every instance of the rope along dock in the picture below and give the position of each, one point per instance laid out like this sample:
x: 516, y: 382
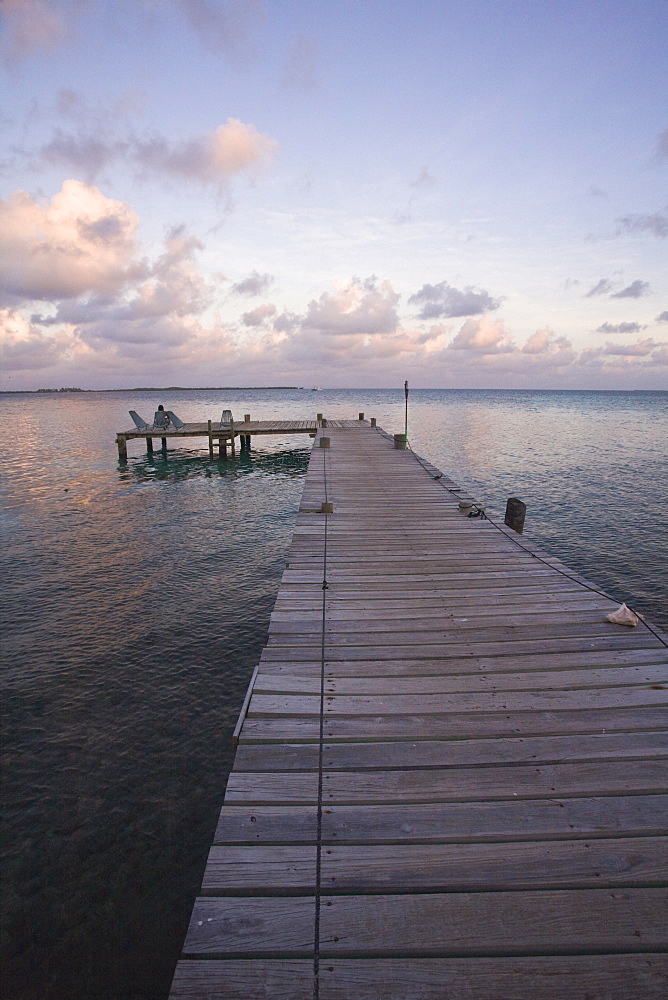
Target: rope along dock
x: 450, y: 767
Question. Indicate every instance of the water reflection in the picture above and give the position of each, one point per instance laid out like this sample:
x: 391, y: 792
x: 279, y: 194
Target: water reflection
x: 182, y: 464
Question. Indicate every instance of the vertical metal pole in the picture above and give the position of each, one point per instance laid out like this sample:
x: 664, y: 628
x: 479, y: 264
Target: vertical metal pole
x: 406, y: 420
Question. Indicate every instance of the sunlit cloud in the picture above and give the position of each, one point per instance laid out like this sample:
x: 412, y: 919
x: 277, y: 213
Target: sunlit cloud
x: 485, y: 336
x: 256, y: 317
x: 662, y: 317
x: 211, y: 158
x: 81, y: 241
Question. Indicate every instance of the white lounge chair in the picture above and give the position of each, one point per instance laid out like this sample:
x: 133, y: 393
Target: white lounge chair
x: 140, y: 424
x: 226, y: 418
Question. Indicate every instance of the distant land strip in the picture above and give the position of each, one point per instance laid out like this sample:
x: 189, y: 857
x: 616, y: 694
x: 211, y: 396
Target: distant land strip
x: 148, y: 388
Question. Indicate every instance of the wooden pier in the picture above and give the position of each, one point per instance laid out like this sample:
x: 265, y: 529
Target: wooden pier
x: 451, y: 768
x: 216, y: 433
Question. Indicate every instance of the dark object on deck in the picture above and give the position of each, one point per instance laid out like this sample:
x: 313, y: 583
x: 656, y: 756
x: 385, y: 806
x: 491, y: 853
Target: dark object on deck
x: 515, y: 513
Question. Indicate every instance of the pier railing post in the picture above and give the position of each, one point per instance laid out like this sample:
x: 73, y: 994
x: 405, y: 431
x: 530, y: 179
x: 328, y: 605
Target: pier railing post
x: 515, y: 513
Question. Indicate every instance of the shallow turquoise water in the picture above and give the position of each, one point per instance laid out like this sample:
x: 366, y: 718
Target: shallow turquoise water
x: 136, y: 600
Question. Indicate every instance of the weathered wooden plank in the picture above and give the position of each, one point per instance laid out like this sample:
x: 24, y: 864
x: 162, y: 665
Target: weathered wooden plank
x: 582, y: 679
x: 557, y: 922
x: 452, y: 753
x: 454, y: 867
x: 577, y: 659
x: 603, y: 977
x: 472, y: 822
x: 456, y: 726
x: 440, y: 703
x: 500, y: 647
x: 460, y: 784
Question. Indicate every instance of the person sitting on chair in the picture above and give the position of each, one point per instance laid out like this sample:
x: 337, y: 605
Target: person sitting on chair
x: 161, y: 419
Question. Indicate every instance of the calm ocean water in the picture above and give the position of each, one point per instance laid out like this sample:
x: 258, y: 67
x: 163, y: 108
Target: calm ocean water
x: 136, y: 600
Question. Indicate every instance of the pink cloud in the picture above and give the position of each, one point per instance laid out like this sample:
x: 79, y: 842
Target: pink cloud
x: 81, y: 241
x: 484, y: 335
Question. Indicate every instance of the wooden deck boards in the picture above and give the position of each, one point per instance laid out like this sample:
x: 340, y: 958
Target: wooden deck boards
x: 479, y: 811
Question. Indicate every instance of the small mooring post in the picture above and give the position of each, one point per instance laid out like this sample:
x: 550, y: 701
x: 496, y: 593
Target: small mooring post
x: 361, y: 416
x: 515, y: 513
x: 246, y: 418
x: 318, y: 418
x: 373, y: 421
x: 210, y: 441
x: 400, y: 442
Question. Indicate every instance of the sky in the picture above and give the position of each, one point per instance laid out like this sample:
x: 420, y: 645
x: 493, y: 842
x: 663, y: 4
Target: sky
x: 350, y: 193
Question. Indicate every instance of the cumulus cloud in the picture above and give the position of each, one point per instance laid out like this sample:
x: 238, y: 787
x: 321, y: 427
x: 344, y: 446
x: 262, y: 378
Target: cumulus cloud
x: 662, y: 317
x: 80, y: 241
x: 24, y: 347
x: 656, y: 225
x: 256, y: 317
x: 638, y: 350
x: 300, y: 72
x: 212, y: 158
x: 254, y: 284
x: 485, y: 335
x: 98, y: 138
x: 619, y: 328
x: 360, y: 307
x: 635, y: 290
x: 601, y: 287
x: 445, y: 301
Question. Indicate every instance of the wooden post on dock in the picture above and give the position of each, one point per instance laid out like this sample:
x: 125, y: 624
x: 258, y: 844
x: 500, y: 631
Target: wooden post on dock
x: 164, y: 443
x: 210, y: 441
x: 122, y: 443
x: 515, y: 513
x: 222, y: 447
x: 318, y: 418
x: 373, y: 421
x: 246, y: 418
x: 149, y: 445
x: 361, y: 416
x: 232, y: 445
x: 400, y: 442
